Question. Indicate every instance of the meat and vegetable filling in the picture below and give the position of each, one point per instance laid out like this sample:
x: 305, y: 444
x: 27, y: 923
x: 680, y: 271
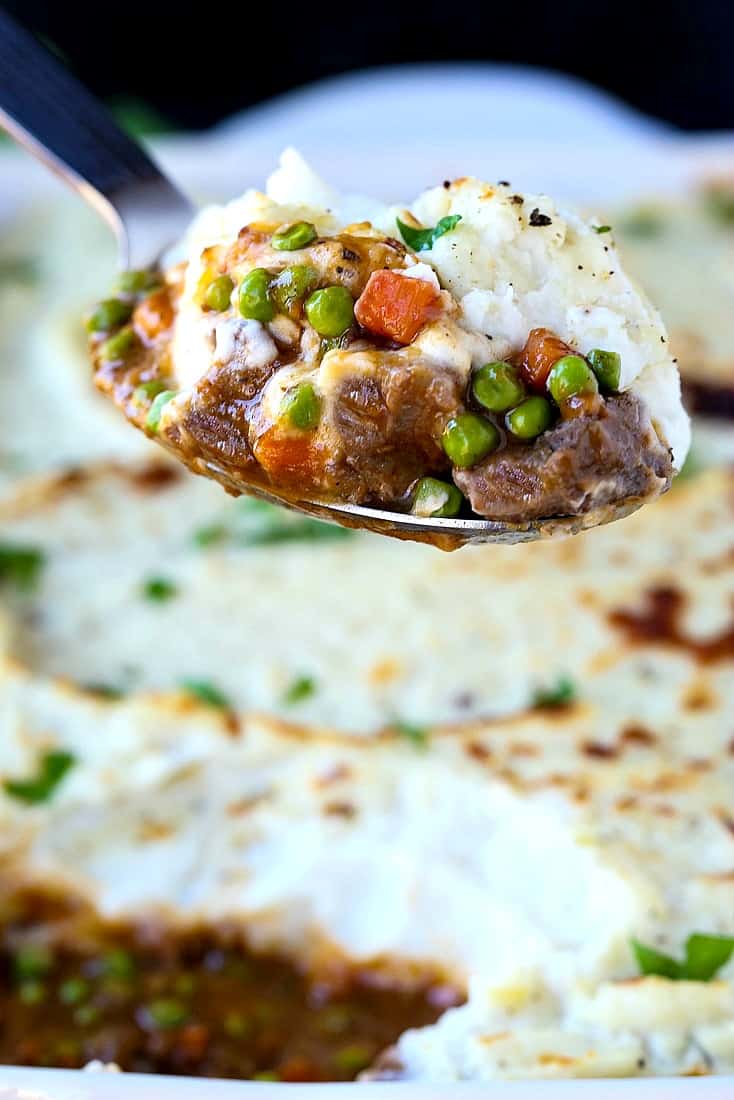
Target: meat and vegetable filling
x: 152, y: 1000
x: 341, y: 369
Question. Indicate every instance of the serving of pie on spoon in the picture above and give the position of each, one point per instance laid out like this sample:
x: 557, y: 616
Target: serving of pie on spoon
x: 479, y: 355
x: 474, y: 366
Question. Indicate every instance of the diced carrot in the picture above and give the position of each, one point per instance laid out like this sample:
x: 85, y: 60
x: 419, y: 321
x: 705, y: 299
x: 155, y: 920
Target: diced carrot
x: 542, y: 349
x: 396, y: 306
x: 154, y: 315
x: 286, y: 455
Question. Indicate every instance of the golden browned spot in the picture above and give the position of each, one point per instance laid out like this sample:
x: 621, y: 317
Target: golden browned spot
x: 523, y: 748
x: 658, y: 623
x: 559, y: 1060
x: 154, y: 830
x: 478, y: 751
x: 155, y: 476
x: 244, y: 805
x: 698, y: 696
x: 340, y: 809
x: 495, y: 1037
x: 636, y: 734
x: 336, y: 774
x: 382, y: 672
x: 726, y: 819
x: 597, y: 750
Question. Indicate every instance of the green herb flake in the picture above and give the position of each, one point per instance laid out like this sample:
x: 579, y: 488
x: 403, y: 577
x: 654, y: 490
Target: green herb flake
x: 20, y: 565
x: 52, y: 768
x: 153, y: 419
x: 602, y: 229
x: 206, y: 692
x: 562, y: 694
x: 257, y: 523
x: 159, y: 589
x: 209, y: 536
x: 303, y: 687
x: 421, y: 240
x: 417, y: 735
x: 705, y: 955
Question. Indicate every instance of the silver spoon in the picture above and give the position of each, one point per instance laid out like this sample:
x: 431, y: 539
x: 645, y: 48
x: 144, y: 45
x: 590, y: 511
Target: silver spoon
x: 46, y: 110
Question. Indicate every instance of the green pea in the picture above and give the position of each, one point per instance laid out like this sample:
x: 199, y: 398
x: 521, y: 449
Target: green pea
x: 218, y: 294
x: 301, y: 406
x: 86, y: 1015
x: 292, y: 237
x: 530, y: 418
x: 468, y: 438
x: 236, y: 1025
x: 437, y: 499
x: 153, y: 419
x: 352, y: 1059
x: 32, y: 961
x: 291, y: 284
x: 497, y: 386
x: 109, y: 314
x: 255, y: 301
x: 116, y: 347
x: 32, y: 992
x: 73, y: 990
x: 166, y: 1013
x: 331, y: 310
x: 146, y: 391
x: 570, y: 375
x: 607, y: 366
x: 118, y: 963
x: 138, y: 282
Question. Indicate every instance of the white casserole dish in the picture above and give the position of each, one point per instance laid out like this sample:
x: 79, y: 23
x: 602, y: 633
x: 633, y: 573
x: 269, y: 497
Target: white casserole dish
x: 579, y: 127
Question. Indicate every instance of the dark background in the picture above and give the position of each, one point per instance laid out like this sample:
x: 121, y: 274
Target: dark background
x: 196, y: 63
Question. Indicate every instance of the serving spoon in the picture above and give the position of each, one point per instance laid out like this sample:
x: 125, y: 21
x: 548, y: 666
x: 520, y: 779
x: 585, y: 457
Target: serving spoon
x: 46, y: 110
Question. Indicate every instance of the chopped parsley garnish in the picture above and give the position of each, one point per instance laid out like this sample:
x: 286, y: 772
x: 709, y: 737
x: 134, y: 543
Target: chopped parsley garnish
x: 20, y: 565
x: 420, y: 240
x: 254, y: 522
x: 159, y: 589
x: 417, y: 735
x: 208, y: 536
x: 704, y: 957
x: 303, y: 687
x: 206, y: 692
x: 602, y: 229
x: 562, y: 694
x: 52, y: 768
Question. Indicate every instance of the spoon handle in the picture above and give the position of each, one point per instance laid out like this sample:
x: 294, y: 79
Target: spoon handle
x: 45, y: 109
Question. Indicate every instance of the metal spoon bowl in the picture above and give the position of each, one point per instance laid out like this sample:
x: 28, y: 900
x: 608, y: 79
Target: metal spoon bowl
x: 46, y: 110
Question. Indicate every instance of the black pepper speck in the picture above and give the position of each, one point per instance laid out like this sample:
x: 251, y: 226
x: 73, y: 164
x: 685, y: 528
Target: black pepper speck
x: 538, y: 219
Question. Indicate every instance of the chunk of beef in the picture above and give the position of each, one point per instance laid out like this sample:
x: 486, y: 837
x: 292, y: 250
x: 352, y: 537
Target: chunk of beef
x: 579, y: 465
